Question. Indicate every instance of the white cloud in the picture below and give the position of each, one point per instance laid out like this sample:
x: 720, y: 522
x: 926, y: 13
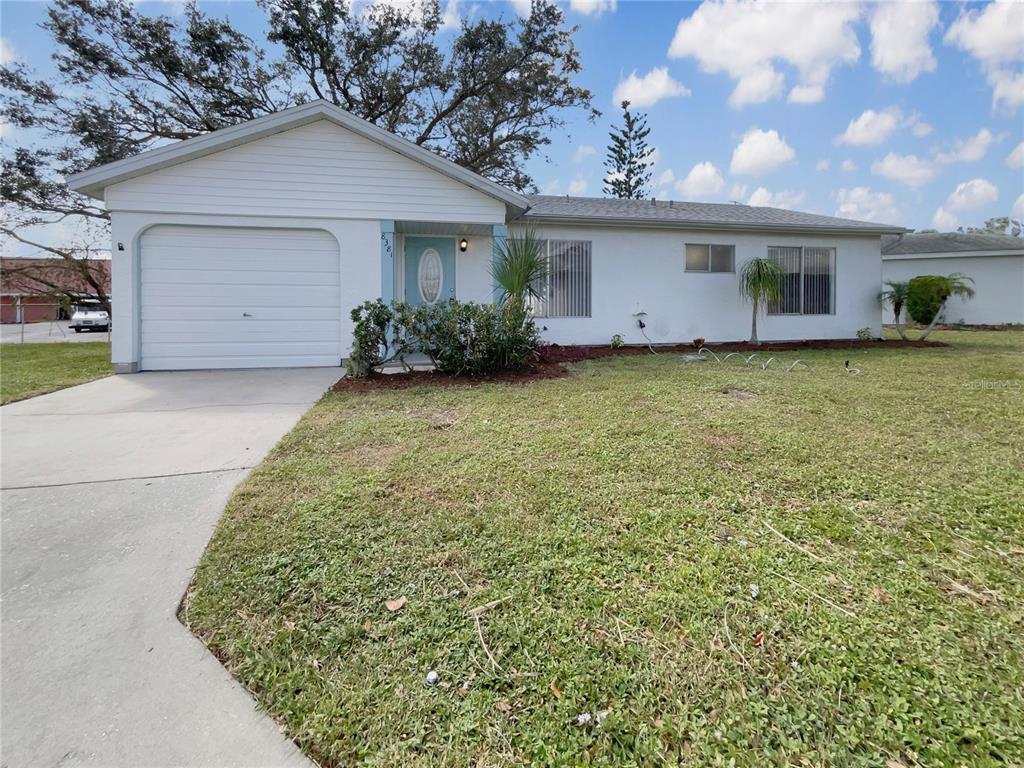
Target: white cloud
x: 823, y: 165
x: 872, y: 127
x: 451, y: 19
x: 968, y: 150
x: 944, y: 221
x: 1016, y: 158
x: 746, y: 39
x: 738, y: 191
x: 522, y: 7
x: 994, y: 35
x: 648, y: 90
x: 848, y: 165
x: 578, y: 186
x: 972, y: 194
x: 760, y: 152
x: 1018, y: 208
x: 553, y: 187
x: 906, y: 169
x: 583, y: 151
x: 703, y: 180
x: 665, y: 178
x: 593, y: 7
x: 5, y: 129
x: 782, y: 199
x: 899, y: 38
x: 7, y: 52
x: 867, y: 205
x: 917, y: 126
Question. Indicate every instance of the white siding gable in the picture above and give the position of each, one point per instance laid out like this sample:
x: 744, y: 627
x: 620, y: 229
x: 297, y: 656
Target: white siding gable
x: 315, y: 170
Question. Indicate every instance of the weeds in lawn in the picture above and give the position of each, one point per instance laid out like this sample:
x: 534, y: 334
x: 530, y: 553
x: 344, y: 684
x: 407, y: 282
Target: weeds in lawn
x: 626, y: 567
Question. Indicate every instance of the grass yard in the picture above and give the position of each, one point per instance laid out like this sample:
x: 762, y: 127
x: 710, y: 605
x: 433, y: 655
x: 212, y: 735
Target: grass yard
x: 27, y: 370
x: 630, y: 567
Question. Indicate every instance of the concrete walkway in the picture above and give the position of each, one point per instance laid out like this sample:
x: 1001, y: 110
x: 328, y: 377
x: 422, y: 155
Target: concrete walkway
x: 110, y: 492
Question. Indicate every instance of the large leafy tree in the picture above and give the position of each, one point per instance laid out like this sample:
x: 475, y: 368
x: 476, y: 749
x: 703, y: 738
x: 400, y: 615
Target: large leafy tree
x: 488, y: 98
x: 629, y: 158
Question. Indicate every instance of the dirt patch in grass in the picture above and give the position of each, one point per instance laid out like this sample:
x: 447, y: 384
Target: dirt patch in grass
x: 408, y: 380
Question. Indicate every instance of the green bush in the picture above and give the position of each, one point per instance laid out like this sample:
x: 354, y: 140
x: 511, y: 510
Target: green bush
x: 470, y: 339
x: 460, y: 338
x: 376, y: 338
x: 925, y: 296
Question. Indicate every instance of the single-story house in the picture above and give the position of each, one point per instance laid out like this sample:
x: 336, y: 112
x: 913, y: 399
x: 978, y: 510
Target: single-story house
x: 994, y: 262
x: 36, y: 290
x: 249, y: 246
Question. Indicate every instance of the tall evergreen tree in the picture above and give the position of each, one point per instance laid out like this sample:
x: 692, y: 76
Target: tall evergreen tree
x: 628, y: 159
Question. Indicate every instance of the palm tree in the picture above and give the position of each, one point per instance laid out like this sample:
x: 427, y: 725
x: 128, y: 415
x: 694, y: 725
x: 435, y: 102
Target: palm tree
x: 520, y: 268
x: 761, y: 282
x: 956, y: 284
x: 897, y: 296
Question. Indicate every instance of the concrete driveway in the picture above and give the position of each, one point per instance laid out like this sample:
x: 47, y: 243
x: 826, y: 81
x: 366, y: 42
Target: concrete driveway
x: 110, y: 492
x: 46, y: 333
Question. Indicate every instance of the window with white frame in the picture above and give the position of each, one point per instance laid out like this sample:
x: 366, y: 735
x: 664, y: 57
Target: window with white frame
x: 710, y: 258
x: 565, y: 290
x: 809, y: 281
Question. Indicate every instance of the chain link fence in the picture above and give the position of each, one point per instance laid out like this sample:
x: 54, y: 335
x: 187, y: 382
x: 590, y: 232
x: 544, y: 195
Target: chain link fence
x: 46, y: 322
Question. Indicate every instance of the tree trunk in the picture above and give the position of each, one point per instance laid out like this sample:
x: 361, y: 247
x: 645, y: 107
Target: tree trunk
x: 931, y: 325
x: 753, y: 327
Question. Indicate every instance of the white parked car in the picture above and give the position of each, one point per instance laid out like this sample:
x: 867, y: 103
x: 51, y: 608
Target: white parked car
x: 90, y: 317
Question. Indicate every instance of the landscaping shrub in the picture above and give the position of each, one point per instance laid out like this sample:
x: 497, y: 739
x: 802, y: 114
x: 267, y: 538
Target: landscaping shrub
x: 460, y: 338
x: 374, y: 328
x: 470, y: 339
x: 925, y: 296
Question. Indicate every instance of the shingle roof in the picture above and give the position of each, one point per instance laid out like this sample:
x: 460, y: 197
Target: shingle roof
x: 676, y: 213
x: 948, y: 242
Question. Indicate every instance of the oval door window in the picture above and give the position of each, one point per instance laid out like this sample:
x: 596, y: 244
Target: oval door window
x: 431, y: 275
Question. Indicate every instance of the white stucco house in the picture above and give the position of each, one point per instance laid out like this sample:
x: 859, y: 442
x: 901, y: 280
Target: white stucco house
x: 249, y: 246
x: 994, y: 262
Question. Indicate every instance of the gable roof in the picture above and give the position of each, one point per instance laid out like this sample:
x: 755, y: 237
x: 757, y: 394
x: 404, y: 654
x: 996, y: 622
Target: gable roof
x: 949, y: 242
x: 673, y: 213
x: 93, y: 181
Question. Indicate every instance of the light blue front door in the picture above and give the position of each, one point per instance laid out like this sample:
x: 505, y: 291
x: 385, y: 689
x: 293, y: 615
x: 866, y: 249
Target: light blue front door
x: 429, y: 269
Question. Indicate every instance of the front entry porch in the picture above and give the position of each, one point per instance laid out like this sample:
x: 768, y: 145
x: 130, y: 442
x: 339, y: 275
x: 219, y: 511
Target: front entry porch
x: 429, y: 262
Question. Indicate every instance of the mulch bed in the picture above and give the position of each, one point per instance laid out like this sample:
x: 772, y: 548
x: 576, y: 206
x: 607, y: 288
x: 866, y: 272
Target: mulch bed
x: 407, y: 380
x: 553, y: 355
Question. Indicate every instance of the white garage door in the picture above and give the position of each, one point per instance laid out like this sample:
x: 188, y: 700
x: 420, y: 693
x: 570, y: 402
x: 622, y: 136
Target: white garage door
x: 239, y: 298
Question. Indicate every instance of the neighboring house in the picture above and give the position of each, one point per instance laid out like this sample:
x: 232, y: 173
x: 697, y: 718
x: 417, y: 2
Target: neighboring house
x: 994, y: 262
x: 38, y: 290
x: 249, y: 246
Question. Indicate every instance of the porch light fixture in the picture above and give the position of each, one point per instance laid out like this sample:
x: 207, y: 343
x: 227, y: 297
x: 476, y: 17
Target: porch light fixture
x: 463, y: 245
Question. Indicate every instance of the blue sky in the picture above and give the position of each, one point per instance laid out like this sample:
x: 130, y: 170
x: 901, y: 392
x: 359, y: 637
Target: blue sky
x: 910, y: 113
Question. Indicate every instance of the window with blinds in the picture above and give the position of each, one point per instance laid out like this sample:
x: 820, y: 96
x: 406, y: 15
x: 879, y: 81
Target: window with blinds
x: 565, y: 290
x: 808, y: 285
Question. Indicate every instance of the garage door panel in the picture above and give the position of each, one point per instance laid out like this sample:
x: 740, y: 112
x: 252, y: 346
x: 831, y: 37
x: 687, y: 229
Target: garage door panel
x: 231, y: 330
x: 157, y: 363
x: 239, y: 298
x: 295, y: 276
x: 173, y: 313
x: 241, y: 295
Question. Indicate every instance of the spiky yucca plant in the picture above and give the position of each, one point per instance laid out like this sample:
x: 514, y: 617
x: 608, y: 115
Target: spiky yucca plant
x: 520, y: 267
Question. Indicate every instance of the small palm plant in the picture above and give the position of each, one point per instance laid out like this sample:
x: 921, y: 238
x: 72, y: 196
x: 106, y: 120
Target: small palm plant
x: 956, y: 284
x: 896, y: 295
x: 761, y: 283
x: 520, y: 268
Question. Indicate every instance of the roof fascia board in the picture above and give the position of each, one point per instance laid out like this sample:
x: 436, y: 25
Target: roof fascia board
x: 93, y: 181
x: 950, y: 254
x: 696, y: 225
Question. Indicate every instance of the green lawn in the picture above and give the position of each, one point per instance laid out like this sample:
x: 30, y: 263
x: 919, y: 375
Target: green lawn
x: 27, y: 370
x: 831, y: 573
